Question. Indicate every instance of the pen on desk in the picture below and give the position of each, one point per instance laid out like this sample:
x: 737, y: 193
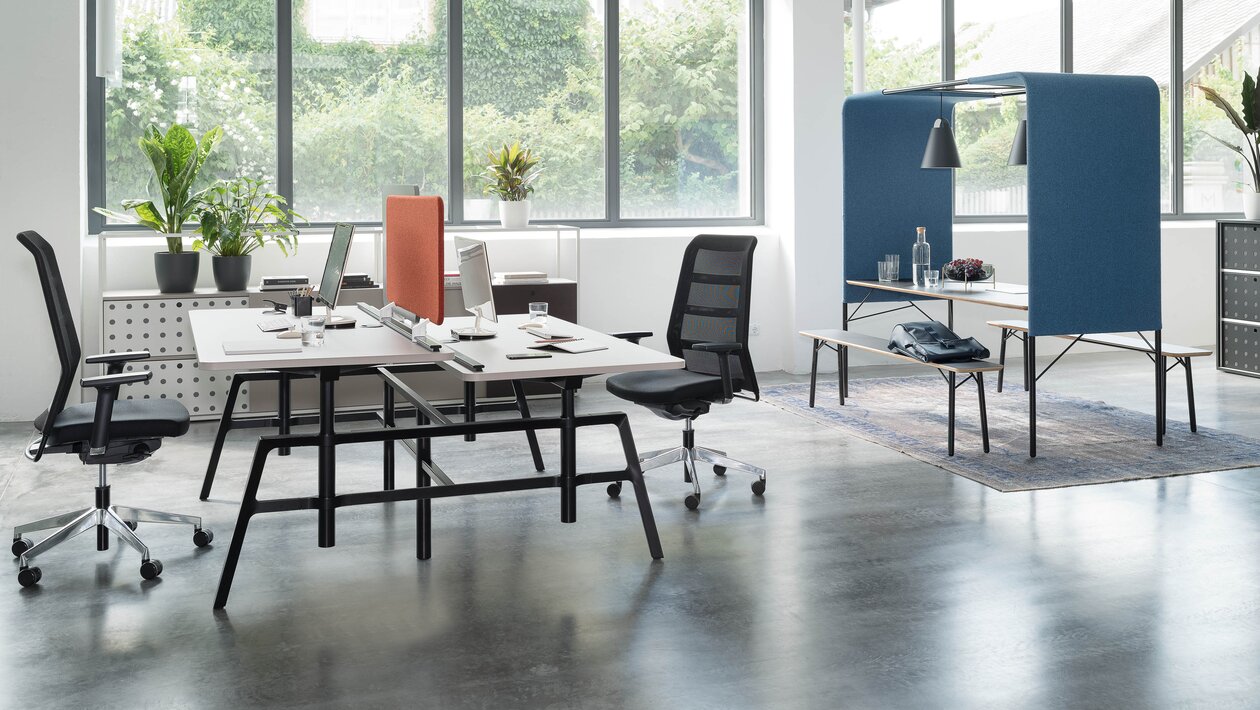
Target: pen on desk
x: 556, y: 340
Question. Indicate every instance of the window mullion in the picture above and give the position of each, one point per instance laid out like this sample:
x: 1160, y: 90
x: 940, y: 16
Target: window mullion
x: 284, y: 99
x: 455, y: 110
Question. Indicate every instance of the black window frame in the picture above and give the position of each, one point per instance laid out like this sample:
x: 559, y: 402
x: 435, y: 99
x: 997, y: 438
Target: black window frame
x: 95, y: 129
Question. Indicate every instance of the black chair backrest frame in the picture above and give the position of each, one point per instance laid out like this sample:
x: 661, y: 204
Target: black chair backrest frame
x: 712, y: 305
x: 61, y: 317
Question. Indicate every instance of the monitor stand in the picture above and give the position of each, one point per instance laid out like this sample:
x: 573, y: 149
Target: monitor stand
x: 332, y: 320
x: 476, y: 332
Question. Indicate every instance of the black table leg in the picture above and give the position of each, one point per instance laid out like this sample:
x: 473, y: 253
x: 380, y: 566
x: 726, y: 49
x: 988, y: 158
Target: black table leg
x: 249, y: 502
x: 1027, y: 366
x: 984, y: 411
x: 327, y: 503
x: 640, y: 489
x: 841, y: 372
x: 424, y: 506
x: 1161, y: 390
x: 568, y: 457
x: 813, y: 372
x: 1002, y: 357
x: 1185, y: 362
x: 470, y: 407
x: 844, y: 323
x: 1030, y: 372
x: 225, y: 425
x: 522, y: 406
x: 284, y: 407
x: 387, y: 456
x: 953, y: 391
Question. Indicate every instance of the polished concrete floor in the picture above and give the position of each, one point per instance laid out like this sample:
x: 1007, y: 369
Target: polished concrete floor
x: 863, y: 579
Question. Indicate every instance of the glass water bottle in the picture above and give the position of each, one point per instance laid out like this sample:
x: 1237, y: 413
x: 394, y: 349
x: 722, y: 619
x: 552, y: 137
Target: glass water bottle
x: 920, y: 257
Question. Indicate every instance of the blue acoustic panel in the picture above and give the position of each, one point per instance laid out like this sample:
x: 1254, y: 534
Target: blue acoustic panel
x: 1093, y: 203
x: 886, y: 193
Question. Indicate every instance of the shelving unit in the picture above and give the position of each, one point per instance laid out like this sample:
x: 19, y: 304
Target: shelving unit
x: 1238, y: 297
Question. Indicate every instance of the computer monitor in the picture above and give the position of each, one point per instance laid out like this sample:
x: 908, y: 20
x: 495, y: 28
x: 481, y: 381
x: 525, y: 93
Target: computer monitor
x: 474, y: 278
x: 329, y: 286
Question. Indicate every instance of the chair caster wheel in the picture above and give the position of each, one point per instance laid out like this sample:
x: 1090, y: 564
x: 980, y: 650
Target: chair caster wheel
x: 151, y: 569
x: 614, y: 490
x: 758, y: 487
x: 719, y: 470
x: 132, y: 524
x: 29, y: 576
x: 203, y: 537
x: 20, y: 546
x: 692, y: 501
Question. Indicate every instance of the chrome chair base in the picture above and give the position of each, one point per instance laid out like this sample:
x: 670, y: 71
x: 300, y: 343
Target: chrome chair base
x: 689, y: 454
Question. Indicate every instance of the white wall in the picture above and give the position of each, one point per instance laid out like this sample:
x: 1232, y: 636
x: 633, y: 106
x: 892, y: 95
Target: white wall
x: 41, y: 185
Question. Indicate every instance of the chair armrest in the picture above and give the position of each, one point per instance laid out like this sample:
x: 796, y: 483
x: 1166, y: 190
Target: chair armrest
x: 107, y: 387
x: 116, y: 361
x: 633, y: 336
x: 717, y: 347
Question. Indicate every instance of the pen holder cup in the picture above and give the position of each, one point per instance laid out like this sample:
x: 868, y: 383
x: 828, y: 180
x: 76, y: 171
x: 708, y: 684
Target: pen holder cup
x: 302, y: 305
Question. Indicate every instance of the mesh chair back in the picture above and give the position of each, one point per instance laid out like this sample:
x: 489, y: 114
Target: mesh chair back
x: 712, y: 306
x: 61, y: 317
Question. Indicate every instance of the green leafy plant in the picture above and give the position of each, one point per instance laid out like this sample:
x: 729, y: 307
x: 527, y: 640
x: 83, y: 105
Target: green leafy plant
x: 1246, y: 121
x: 176, y: 159
x: 511, y: 172
x: 240, y: 216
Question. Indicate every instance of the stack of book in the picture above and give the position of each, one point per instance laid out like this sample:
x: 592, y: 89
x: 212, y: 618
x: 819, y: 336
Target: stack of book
x: 520, y: 277
x: 357, y: 281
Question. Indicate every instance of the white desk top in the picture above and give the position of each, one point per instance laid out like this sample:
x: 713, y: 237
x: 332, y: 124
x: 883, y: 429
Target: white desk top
x: 342, y: 347
x: 1002, y: 295
x: 621, y: 355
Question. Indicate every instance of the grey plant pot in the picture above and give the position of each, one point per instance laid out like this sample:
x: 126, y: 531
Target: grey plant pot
x: 231, y: 273
x: 176, y: 273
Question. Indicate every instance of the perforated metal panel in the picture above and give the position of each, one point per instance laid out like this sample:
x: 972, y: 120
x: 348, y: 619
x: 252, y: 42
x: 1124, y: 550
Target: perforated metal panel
x: 1240, y: 347
x: 1240, y: 296
x: 159, y: 325
x: 1240, y: 247
x: 204, y: 393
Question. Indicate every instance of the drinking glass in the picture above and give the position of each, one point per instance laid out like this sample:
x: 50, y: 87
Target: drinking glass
x: 885, y: 271
x: 313, y: 330
x: 894, y: 266
x: 538, y: 311
x: 933, y: 277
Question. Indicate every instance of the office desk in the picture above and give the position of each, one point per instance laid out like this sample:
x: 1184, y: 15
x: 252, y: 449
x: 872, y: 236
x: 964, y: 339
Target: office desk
x: 1015, y: 297
x: 353, y: 350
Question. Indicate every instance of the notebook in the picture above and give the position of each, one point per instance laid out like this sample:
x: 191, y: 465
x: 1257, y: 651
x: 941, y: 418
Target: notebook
x: 261, y: 347
x: 570, y: 346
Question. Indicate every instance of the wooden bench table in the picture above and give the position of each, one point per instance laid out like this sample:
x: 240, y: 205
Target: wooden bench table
x: 842, y: 340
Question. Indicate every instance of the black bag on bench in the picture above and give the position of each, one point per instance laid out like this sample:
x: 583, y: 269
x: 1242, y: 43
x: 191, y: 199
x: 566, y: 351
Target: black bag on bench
x: 931, y: 341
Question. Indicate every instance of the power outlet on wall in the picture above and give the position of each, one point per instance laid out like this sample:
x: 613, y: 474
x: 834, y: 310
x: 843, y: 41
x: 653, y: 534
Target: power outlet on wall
x: 754, y: 329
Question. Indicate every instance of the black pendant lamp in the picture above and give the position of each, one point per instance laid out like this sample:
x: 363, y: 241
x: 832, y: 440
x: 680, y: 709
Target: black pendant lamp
x: 1019, y: 149
x: 941, y: 151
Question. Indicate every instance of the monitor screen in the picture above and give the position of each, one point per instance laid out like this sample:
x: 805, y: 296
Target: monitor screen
x: 338, y: 253
x: 474, y: 277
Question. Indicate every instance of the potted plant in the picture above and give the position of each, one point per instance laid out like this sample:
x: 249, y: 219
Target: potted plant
x: 176, y: 159
x: 1248, y: 122
x: 238, y: 217
x: 510, y: 175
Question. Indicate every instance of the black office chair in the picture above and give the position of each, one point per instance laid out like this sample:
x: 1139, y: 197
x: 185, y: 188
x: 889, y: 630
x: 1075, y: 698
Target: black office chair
x: 108, y: 431
x: 708, y: 328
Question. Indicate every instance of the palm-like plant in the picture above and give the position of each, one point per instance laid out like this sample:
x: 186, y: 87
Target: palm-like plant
x: 511, y: 172
x: 176, y: 158
x: 240, y: 216
x: 1246, y: 121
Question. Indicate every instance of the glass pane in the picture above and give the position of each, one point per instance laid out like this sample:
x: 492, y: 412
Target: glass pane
x: 685, y: 109
x: 200, y: 64
x: 534, y: 73
x: 1221, y: 41
x: 369, y: 104
x: 1096, y: 51
x: 994, y: 37
x: 903, y: 44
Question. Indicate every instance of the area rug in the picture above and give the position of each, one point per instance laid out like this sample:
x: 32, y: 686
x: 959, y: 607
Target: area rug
x: 1079, y: 442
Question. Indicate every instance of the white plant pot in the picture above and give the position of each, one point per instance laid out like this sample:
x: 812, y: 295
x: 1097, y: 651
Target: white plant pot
x: 1251, y: 205
x: 514, y: 215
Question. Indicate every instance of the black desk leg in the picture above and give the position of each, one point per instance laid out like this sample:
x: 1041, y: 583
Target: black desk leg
x: 1030, y: 371
x: 470, y: 407
x: 249, y: 502
x: 225, y: 425
x: 284, y: 407
x: 842, y: 372
x: 640, y: 489
x: 1027, y: 366
x: 951, y: 314
x: 387, y: 457
x: 1185, y: 362
x: 953, y: 392
x: 1161, y: 390
x: 844, y: 323
x: 813, y: 373
x: 1002, y: 357
x: 568, y: 457
x: 424, y: 506
x: 327, y: 458
x: 522, y: 406
x: 984, y: 411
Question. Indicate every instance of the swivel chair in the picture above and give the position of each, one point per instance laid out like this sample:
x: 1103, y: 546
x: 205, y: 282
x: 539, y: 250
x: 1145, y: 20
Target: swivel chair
x: 708, y: 329
x: 108, y: 431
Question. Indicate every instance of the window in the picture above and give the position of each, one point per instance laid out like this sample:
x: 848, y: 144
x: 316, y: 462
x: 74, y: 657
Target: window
x: 686, y: 122
x: 1222, y: 40
x: 369, y: 104
x: 364, y: 94
x: 199, y: 65
x: 903, y: 45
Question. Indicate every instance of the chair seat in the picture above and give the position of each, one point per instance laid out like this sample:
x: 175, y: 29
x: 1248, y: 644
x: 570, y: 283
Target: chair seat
x: 666, y: 387
x: 132, y: 419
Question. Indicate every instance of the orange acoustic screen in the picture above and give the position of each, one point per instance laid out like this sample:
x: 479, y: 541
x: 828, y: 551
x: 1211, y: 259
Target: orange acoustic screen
x: 414, y: 233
